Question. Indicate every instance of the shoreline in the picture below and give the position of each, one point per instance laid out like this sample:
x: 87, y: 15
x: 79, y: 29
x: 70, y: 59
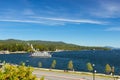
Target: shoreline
x: 18, y: 52
x: 8, y: 52
x: 77, y: 73
x: 90, y: 74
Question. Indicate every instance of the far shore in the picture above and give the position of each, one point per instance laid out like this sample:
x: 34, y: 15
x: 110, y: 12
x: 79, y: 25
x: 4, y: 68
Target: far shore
x: 8, y: 52
x: 19, y: 52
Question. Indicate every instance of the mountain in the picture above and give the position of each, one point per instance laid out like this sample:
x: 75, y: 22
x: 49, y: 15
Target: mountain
x: 22, y: 45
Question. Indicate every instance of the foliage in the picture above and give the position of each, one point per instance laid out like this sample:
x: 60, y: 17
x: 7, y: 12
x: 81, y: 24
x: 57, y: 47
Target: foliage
x: 40, y: 64
x: 42, y: 78
x: 12, y: 72
x: 20, y: 45
x: 107, y: 68
x: 89, y: 66
x: 53, y: 64
x: 70, y: 65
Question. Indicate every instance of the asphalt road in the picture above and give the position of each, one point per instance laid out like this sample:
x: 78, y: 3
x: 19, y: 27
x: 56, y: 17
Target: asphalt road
x: 50, y: 75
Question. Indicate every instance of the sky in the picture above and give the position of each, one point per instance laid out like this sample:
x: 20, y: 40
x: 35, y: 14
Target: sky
x: 81, y: 22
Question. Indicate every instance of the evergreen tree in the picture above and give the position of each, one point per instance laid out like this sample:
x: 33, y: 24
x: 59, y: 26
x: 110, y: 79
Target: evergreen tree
x: 53, y: 64
x: 70, y: 65
x: 89, y: 66
x: 107, y: 69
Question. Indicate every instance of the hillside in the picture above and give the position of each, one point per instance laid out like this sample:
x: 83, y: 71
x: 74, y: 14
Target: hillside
x: 22, y: 45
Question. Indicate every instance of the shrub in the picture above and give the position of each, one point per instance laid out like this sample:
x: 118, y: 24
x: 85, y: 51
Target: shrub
x: 12, y: 72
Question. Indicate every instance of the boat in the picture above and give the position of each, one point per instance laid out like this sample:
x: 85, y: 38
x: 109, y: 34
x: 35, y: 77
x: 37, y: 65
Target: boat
x: 42, y: 54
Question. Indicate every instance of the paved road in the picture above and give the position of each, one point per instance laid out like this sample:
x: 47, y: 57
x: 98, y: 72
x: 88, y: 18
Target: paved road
x: 50, y: 75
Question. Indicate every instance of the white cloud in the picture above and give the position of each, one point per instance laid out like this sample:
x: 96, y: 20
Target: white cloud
x: 51, y: 21
x: 32, y: 21
x: 72, y: 20
x: 113, y: 29
x: 23, y: 21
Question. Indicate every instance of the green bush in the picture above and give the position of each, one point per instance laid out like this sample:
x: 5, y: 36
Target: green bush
x: 12, y: 72
x: 42, y: 78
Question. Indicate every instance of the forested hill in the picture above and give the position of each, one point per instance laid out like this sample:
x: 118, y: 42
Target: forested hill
x: 21, y: 45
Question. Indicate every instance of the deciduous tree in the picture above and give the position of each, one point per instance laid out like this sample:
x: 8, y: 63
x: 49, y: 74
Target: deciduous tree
x: 107, y: 69
x: 53, y: 64
x: 70, y: 65
x: 89, y: 67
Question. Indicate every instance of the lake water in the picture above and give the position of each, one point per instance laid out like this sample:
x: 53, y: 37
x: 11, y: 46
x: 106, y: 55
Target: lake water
x: 79, y: 58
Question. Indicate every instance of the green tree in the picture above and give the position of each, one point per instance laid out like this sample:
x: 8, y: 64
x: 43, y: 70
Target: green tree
x: 70, y: 65
x: 107, y: 69
x: 53, y: 64
x: 89, y: 67
x: 40, y: 64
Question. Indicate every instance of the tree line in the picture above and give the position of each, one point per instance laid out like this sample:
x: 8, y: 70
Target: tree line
x: 108, y: 69
x: 21, y: 45
x: 22, y: 72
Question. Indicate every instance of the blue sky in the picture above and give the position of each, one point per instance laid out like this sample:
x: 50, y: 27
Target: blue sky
x: 82, y: 22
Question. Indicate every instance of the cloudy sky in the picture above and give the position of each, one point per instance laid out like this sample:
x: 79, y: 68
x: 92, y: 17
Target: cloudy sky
x: 82, y: 22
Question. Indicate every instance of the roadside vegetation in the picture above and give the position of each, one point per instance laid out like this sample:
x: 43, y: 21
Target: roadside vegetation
x: 22, y: 72
x: 70, y: 65
x: 53, y: 65
x: 89, y: 67
x: 108, y: 70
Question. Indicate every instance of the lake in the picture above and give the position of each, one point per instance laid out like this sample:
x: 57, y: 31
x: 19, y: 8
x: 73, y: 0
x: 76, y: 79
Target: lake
x: 79, y: 58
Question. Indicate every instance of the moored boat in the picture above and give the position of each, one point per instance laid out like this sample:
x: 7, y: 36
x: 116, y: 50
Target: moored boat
x: 42, y: 54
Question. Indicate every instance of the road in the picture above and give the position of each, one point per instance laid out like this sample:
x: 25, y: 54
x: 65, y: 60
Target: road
x: 51, y: 75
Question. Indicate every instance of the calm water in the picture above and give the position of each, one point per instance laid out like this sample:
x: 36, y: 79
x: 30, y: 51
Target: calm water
x: 79, y: 58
